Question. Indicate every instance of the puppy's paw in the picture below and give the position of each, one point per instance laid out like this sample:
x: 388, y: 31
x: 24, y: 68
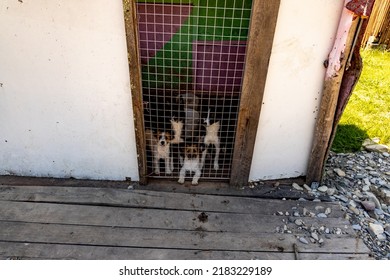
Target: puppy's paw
x: 194, y: 182
x: 181, y: 181
x: 216, y: 166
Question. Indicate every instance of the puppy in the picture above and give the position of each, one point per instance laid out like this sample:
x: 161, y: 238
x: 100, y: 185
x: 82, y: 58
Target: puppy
x: 212, y: 138
x: 177, y: 127
x: 160, y: 144
x: 193, y: 162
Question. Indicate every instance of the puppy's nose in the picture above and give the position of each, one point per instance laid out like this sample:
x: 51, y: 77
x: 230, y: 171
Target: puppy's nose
x: 163, y: 143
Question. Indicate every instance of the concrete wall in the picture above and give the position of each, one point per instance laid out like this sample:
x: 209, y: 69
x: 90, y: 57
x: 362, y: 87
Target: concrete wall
x: 65, y: 101
x: 304, y: 36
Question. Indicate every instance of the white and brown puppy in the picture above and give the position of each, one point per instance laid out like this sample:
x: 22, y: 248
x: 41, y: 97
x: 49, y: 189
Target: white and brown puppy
x: 159, y: 144
x: 177, y: 127
x: 212, y: 138
x: 193, y: 162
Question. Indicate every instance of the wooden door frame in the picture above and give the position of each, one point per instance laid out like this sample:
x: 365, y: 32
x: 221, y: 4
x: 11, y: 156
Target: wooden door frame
x: 133, y: 56
x: 262, y: 29
x: 261, y: 35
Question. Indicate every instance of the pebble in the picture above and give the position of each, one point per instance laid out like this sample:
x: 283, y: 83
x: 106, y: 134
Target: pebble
x: 339, y: 172
x: 352, y: 203
x: 380, y: 148
x: 379, y: 212
x: 357, y: 227
x: 368, y: 205
x: 322, y: 215
x: 359, y: 176
x: 297, y: 187
x: 376, y: 229
x: 315, y: 236
x: 303, y: 240
x: 323, y: 189
x: 298, y: 222
x: 374, y: 199
x: 314, y: 185
x: 342, y: 198
x: 354, y: 210
x: 330, y: 191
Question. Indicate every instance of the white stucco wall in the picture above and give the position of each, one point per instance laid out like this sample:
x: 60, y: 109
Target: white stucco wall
x: 65, y: 102
x: 304, y: 36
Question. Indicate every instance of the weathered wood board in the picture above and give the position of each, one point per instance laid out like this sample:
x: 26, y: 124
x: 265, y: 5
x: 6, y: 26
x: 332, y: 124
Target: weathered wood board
x: 39, y: 222
x: 155, y: 199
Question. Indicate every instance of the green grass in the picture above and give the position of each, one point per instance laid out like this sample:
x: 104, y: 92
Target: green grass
x: 368, y: 111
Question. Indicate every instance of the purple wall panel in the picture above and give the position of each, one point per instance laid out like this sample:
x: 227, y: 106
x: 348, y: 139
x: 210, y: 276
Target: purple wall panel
x: 157, y: 24
x: 218, y: 66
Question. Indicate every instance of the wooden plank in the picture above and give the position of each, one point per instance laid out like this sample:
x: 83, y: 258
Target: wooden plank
x: 171, y: 239
x: 135, y: 84
x: 322, y: 140
x: 262, y: 29
x: 157, y: 218
x: 11, y: 250
x: 376, y: 20
x: 163, y: 200
x: 379, y: 23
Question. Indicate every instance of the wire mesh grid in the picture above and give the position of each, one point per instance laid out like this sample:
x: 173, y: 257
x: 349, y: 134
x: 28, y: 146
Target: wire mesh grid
x: 192, y: 56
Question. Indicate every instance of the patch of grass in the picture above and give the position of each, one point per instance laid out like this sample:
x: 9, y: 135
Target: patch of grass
x: 348, y: 138
x: 367, y: 114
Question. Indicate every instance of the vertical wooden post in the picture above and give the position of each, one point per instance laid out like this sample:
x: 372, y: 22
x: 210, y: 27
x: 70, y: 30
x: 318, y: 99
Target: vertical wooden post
x: 130, y: 14
x: 334, y: 75
x: 261, y: 35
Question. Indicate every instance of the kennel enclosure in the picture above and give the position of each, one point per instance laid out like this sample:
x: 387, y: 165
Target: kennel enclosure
x: 192, y: 59
x: 197, y: 51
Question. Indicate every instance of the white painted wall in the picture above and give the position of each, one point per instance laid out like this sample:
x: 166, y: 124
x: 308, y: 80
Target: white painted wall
x: 304, y: 36
x: 65, y: 102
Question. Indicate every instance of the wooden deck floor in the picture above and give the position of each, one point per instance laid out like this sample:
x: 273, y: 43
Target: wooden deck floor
x: 62, y: 222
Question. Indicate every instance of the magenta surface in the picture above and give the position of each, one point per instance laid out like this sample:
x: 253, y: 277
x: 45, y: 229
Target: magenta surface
x: 218, y: 66
x: 157, y: 24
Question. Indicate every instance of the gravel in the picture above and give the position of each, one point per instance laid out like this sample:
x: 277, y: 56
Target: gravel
x: 362, y: 184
